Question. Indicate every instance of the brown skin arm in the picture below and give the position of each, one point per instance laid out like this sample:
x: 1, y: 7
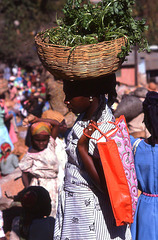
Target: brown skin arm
x: 25, y: 179
x: 91, y: 165
x: 55, y: 129
x: 55, y: 125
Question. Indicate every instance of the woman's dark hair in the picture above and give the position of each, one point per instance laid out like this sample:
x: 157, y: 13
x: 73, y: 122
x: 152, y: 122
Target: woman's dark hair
x: 150, y: 109
x: 94, y: 87
x: 107, y: 86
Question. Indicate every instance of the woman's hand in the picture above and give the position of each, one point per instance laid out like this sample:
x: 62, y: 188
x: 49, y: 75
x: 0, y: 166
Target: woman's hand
x: 88, y: 131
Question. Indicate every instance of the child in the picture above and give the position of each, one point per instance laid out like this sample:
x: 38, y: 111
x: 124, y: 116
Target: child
x: 34, y: 222
x: 39, y: 165
x: 60, y: 141
x: 146, y: 156
x: 8, y: 161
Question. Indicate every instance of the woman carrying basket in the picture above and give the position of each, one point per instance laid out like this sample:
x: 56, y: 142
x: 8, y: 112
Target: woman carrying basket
x: 84, y: 210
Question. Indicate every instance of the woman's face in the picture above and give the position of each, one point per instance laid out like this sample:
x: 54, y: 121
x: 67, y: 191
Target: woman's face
x: 77, y: 104
x: 40, y: 141
x: 76, y: 97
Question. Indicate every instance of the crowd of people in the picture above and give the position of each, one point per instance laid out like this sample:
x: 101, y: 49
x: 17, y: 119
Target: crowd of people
x: 65, y: 194
x: 25, y: 104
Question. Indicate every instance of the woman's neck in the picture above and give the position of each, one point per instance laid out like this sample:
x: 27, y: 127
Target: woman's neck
x: 92, y: 109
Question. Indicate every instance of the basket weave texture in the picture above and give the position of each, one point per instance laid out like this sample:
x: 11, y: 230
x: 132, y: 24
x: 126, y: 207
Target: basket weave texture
x: 83, y: 62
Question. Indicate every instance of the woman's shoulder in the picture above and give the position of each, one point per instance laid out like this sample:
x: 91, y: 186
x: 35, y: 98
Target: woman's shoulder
x: 106, y: 115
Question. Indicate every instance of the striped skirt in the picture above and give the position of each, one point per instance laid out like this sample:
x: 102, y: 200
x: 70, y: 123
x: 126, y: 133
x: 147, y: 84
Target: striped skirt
x: 86, y: 215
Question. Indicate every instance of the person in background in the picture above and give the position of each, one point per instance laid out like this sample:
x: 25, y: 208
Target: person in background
x: 60, y: 142
x: 8, y: 161
x: 145, y: 156
x: 35, y: 222
x: 12, y: 89
x: 10, y: 124
x: 7, y: 72
x: 33, y: 105
x: 4, y: 134
x: 40, y: 165
x: 84, y: 209
x: 152, y: 86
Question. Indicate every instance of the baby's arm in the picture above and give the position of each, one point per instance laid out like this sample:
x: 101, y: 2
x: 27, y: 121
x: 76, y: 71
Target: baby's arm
x: 25, y: 179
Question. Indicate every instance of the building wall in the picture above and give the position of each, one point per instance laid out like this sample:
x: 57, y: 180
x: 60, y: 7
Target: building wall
x: 126, y: 76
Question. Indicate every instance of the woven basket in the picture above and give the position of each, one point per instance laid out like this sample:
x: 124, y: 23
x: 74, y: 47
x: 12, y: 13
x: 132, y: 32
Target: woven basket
x: 84, y: 62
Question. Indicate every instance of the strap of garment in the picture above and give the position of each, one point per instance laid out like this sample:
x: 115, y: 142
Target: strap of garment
x: 135, y: 145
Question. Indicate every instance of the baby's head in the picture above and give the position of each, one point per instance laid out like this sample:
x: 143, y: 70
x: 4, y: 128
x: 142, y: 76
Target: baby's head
x: 150, y: 109
x: 40, y: 134
x: 36, y: 200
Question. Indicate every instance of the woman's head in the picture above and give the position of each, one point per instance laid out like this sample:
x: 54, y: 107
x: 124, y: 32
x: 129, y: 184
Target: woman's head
x: 40, y: 134
x: 150, y: 109
x: 80, y: 95
x: 91, y: 87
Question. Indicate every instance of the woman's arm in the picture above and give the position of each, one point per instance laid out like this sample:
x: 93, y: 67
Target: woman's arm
x: 91, y: 165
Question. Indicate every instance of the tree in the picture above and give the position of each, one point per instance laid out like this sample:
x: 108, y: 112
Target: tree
x: 148, y: 9
x: 20, y: 20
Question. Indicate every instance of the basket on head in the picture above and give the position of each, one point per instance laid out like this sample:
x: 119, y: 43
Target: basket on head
x: 83, y: 62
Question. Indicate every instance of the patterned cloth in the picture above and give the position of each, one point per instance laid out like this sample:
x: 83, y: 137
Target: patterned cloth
x: 43, y: 166
x: 84, y: 213
x: 40, y: 128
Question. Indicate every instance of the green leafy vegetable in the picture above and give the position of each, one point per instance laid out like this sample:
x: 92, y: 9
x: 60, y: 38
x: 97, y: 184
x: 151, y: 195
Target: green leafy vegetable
x: 87, y: 23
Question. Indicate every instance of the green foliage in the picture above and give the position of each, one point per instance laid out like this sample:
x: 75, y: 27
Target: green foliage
x: 148, y: 9
x: 87, y: 23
